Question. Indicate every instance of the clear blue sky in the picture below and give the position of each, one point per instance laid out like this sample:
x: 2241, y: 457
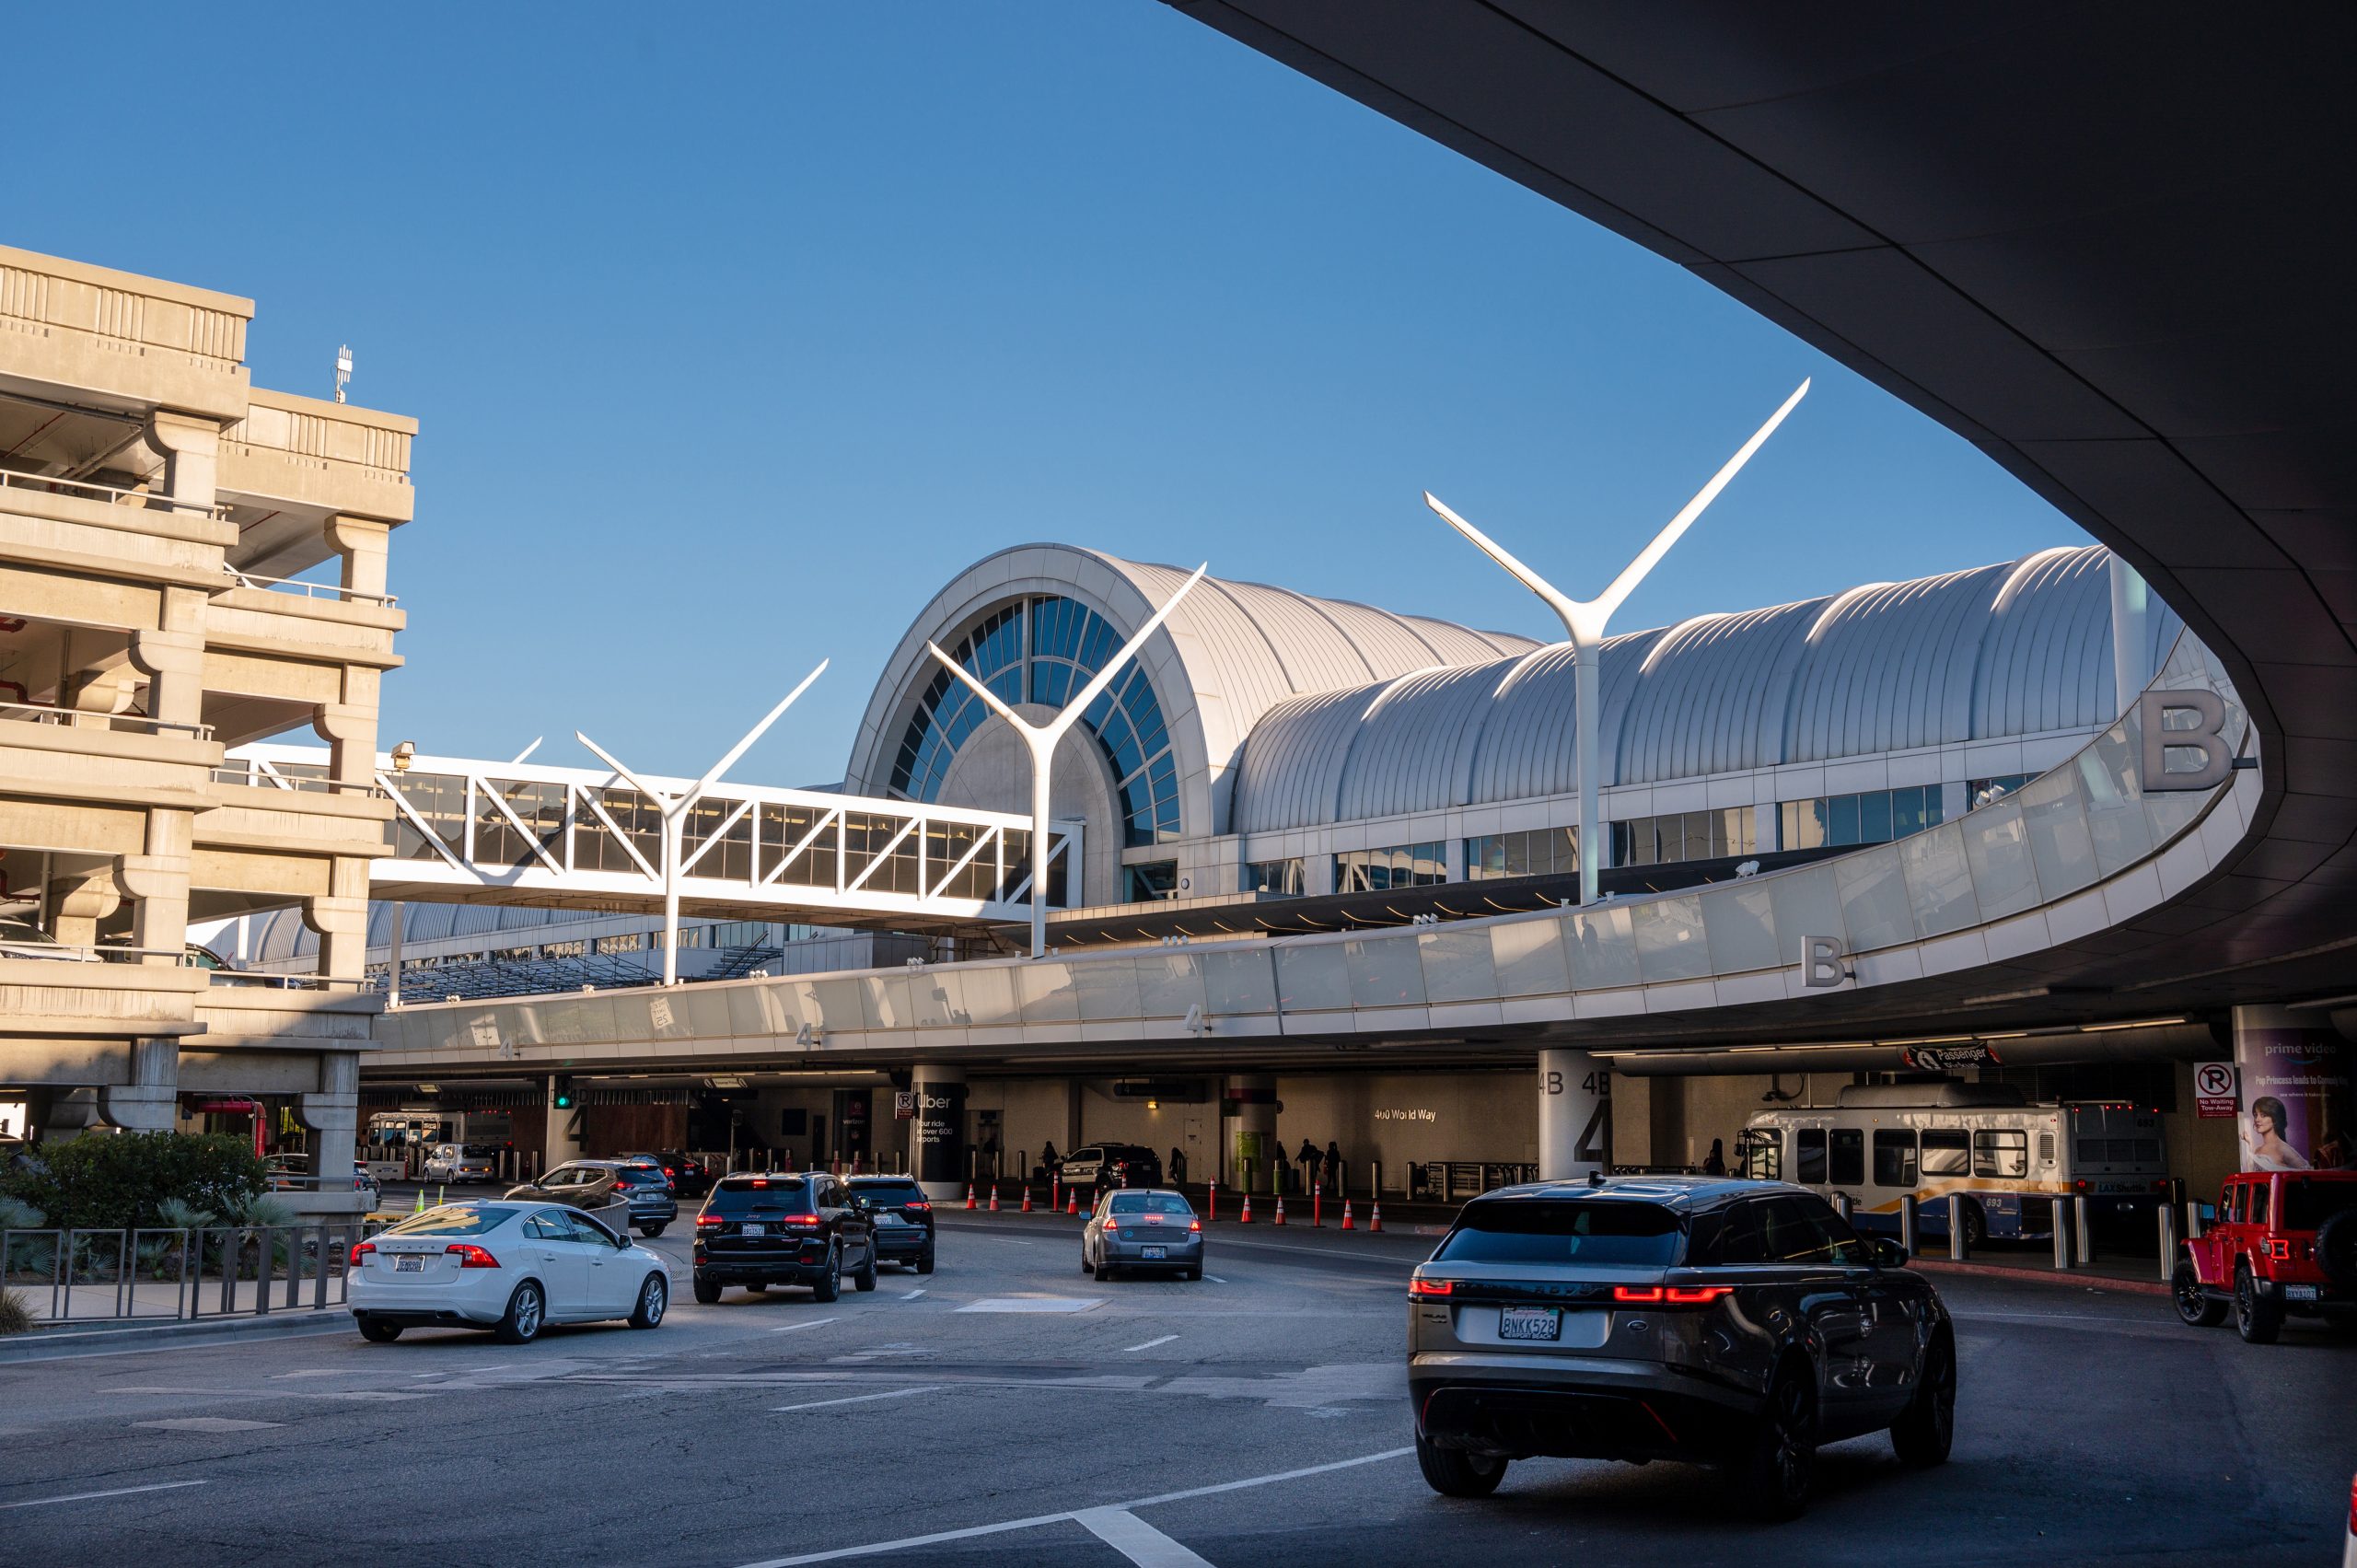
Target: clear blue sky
x: 735, y: 331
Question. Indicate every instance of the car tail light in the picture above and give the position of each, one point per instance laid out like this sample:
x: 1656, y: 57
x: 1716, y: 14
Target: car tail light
x: 469, y: 1256
x: 1430, y: 1287
x: 2279, y: 1249
x: 913, y: 1208
x: 1669, y: 1295
x: 361, y: 1249
x: 1194, y: 1225
x: 709, y: 1222
x: 762, y: 1181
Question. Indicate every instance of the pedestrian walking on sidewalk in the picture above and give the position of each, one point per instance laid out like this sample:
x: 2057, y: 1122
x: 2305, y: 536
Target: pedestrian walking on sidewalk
x: 1177, y: 1170
x: 1307, y: 1160
x: 1333, y: 1166
x: 1715, y: 1162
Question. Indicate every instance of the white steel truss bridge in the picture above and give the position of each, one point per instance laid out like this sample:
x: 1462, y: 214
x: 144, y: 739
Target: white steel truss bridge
x: 529, y: 834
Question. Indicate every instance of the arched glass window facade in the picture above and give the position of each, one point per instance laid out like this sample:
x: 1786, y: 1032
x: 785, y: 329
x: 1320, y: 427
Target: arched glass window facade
x: 1043, y: 650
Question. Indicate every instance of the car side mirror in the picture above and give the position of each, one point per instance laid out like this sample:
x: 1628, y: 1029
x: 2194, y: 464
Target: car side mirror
x: 1888, y: 1254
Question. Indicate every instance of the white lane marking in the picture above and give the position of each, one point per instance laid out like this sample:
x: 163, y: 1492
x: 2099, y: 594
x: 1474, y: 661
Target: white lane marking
x: 912, y: 1296
x: 208, y: 1424
x: 813, y: 1323
x: 1136, y: 1539
x: 1334, y: 1252
x: 1033, y: 1304
x: 311, y: 1372
x: 1216, y: 1279
x: 118, y: 1491
x: 857, y: 1398
x: 972, y: 1531
x: 1150, y: 1343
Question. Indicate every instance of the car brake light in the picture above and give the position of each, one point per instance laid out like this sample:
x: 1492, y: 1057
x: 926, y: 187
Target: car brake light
x: 2279, y: 1249
x: 810, y: 1222
x: 913, y: 1207
x: 1194, y: 1225
x: 1430, y: 1287
x: 761, y: 1182
x: 469, y: 1256
x: 713, y: 1221
x: 1670, y: 1295
x: 361, y: 1249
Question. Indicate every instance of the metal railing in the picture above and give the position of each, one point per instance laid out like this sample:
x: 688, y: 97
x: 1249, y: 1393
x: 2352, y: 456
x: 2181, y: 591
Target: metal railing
x: 112, y: 494
x: 264, y: 981
x: 155, y: 1274
x: 306, y: 589
x: 261, y: 775
x: 50, y: 713
x: 98, y: 953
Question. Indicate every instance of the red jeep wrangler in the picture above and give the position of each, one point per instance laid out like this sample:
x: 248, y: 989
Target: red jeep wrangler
x: 2285, y: 1242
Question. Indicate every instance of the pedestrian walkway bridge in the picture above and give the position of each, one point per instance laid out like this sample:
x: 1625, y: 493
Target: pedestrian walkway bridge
x: 548, y: 837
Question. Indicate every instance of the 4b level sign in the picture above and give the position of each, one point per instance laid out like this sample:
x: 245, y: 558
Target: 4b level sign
x: 2214, y: 1088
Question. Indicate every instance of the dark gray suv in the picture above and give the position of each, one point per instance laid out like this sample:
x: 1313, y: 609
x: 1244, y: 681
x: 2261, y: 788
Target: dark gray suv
x: 1739, y: 1323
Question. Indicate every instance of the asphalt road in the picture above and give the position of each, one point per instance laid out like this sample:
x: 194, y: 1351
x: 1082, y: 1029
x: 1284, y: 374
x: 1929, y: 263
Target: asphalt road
x: 1009, y: 1409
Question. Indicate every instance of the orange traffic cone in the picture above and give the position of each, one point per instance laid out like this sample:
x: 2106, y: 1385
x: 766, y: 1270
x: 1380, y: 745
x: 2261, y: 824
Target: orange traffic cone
x: 1375, y: 1216
x: 993, y: 1208
x: 1027, y: 1200
x: 1072, y: 1200
x: 1246, y: 1218
x: 1281, y: 1210
x: 969, y: 1195
x: 1346, y: 1215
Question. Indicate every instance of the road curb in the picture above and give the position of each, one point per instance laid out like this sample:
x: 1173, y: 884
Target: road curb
x: 52, y: 1344
x: 2041, y: 1276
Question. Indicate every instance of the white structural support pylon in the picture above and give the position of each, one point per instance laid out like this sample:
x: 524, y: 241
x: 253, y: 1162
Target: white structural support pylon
x: 1042, y: 740
x: 675, y: 810
x: 1584, y: 622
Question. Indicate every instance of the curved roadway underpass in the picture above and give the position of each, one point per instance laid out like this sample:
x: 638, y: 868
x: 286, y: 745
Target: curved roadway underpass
x: 2106, y: 250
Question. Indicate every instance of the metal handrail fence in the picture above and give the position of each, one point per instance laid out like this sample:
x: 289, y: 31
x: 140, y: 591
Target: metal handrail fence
x: 158, y: 1274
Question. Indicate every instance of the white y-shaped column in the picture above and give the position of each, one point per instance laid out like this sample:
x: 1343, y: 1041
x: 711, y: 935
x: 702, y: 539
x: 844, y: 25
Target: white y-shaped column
x: 1584, y: 622
x: 675, y: 810
x: 1042, y: 740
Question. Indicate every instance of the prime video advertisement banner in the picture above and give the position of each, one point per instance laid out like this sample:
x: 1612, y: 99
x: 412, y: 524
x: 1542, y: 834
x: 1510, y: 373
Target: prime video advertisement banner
x: 2297, y: 1107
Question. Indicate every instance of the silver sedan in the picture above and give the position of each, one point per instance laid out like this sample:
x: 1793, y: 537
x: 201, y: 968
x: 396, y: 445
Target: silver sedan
x: 1145, y: 1228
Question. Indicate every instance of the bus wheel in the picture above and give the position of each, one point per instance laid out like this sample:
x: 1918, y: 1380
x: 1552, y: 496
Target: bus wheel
x: 1976, y: 1228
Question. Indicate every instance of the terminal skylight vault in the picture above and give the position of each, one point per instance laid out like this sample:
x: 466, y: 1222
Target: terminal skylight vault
x: 1041, y: 649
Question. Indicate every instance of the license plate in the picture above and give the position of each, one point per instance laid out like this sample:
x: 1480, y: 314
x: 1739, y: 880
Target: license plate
x: 1150, y: 1253
x: 749, y: 1230
x: 409, y: 1263
x: 1530, y: 1323
x: 2299, y: 1293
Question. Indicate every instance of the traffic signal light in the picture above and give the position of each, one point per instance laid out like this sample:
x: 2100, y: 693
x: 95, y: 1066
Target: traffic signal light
x: 560, y: 1094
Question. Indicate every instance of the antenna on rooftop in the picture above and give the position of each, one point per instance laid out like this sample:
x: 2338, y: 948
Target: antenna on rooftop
x: 343, y: 370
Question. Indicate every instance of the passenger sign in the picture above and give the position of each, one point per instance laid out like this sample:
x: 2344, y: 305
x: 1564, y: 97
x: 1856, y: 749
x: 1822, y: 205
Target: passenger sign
x: 2214, y: 1088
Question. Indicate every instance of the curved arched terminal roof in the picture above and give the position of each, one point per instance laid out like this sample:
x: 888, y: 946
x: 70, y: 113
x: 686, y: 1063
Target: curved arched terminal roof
x: 2019, y: 649
x: 1231, y: 652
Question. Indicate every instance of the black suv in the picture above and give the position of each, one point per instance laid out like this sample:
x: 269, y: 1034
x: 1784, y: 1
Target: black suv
x: 759, y: 1231
x: 688, y: 1177
x: 1741, y: 1323
x: 1101, y: 1166
x: 902, y: 1217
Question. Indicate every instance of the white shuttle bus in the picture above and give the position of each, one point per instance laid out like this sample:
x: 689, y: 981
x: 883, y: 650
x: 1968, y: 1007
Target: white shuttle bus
x: 2011, y: 1159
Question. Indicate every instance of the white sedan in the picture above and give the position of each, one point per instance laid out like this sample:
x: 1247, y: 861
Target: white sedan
x: 511, y: 1268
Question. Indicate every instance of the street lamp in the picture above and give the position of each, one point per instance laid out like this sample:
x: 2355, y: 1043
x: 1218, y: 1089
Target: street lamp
x: 675, y: 810
x: 1042, y: 740
x: 1584, y: 622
